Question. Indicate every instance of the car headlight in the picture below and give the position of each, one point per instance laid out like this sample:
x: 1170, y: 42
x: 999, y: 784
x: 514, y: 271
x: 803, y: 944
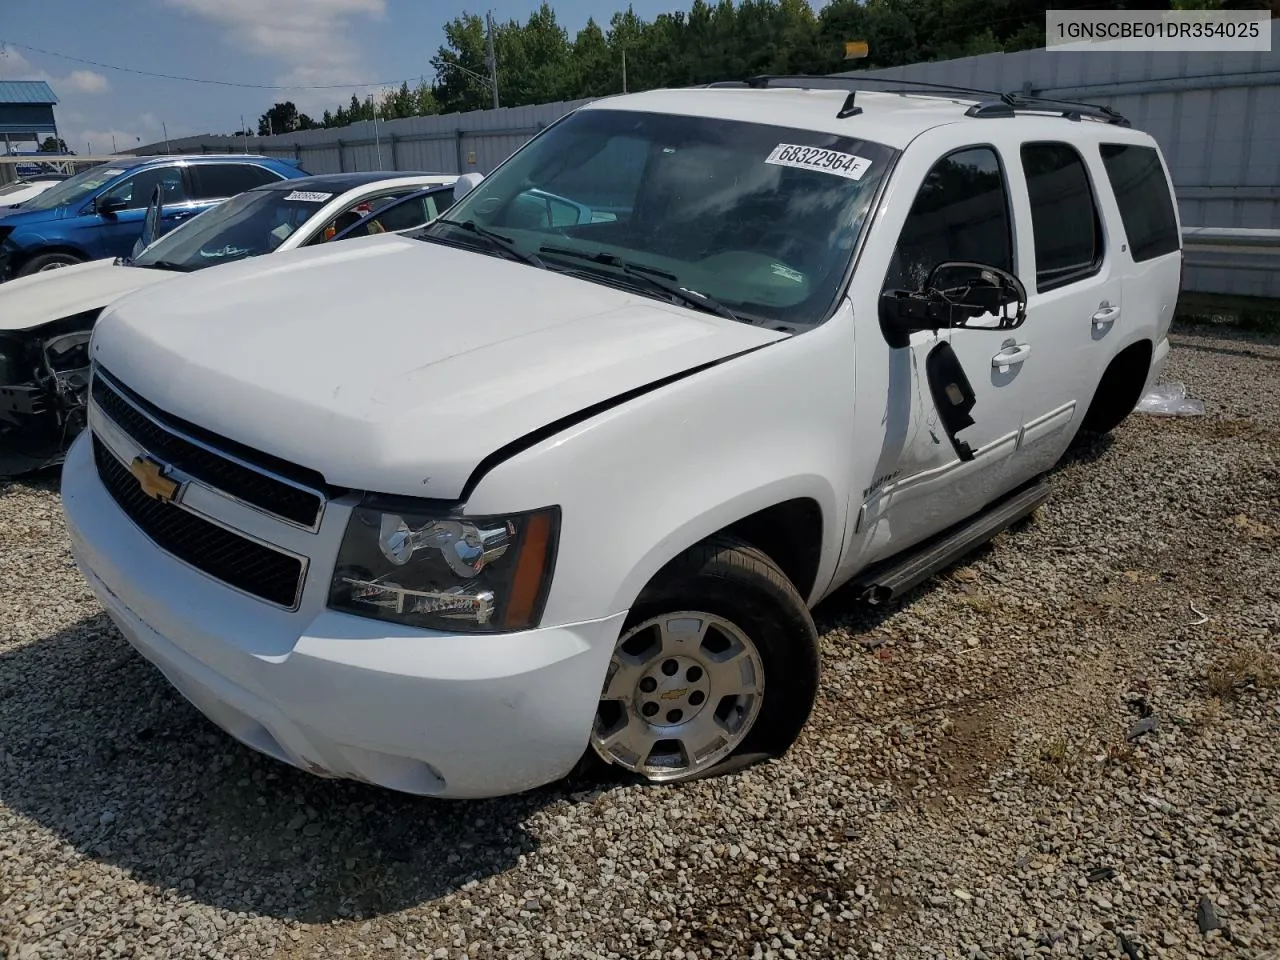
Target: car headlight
x: 400, y: 562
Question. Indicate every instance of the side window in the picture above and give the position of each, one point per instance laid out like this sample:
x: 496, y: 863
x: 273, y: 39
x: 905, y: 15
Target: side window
x: 960, y: 213
x: 353, y: 215
x: 217, y: 181
x: 1064, y: 217
x: 136, y: 191
x: 1143, y: 195
x: 438, y: 203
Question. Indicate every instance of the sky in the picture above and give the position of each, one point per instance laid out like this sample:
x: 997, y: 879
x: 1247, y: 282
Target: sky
x: 293, y: 43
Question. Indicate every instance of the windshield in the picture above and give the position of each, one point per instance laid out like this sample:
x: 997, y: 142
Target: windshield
x: 761, y: 219
x: 74, y: 189
x: 12, y: 188
x: 247, y: 225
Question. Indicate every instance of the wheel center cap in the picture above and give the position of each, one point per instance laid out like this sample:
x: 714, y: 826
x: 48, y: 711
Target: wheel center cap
x: 673, y: 691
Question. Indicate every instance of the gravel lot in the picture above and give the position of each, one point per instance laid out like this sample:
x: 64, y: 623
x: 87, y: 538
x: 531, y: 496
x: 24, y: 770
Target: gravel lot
x: 1046, y: 751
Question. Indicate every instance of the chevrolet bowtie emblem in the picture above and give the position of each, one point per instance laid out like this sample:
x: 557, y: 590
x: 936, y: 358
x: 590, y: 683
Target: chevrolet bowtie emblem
x: 151, y: 478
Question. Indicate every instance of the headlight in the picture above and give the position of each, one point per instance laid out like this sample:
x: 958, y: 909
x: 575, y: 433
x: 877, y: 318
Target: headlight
x: 400, y: 563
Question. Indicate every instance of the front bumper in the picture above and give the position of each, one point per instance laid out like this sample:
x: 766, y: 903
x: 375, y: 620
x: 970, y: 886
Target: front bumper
x: 341, y: 696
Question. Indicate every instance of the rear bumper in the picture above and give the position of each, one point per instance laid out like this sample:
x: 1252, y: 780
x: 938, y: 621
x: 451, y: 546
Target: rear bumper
x: 340, y: 696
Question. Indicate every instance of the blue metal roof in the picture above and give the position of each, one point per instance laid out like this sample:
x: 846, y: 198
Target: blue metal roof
x: 26, y: 91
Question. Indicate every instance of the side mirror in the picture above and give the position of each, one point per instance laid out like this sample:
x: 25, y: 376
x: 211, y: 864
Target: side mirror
x: 465, y: 184
x: 109, y: 204
x: 957, y: 295
x: 150, y: 223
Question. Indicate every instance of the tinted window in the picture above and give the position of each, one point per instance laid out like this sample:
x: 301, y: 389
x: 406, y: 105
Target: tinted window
x: 1064, y: 218
x: 1142, y: 193
x: 393, y: 217
x: 219, y: 180
x: 136, y: 190
x: 960, y: 213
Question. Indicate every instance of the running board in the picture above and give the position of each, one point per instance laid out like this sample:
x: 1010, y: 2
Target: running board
x: 899, y: 574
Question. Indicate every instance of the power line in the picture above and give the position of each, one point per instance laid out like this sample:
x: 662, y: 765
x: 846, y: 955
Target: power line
x: 220, y: 83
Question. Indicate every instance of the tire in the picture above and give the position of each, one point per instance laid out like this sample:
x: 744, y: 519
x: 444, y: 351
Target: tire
x: 753, y: 633
x: 48, y: 261
x: 1118, y: 391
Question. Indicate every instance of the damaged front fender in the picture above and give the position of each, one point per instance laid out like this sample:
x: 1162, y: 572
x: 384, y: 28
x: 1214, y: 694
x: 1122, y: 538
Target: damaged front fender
x: 44, y: 377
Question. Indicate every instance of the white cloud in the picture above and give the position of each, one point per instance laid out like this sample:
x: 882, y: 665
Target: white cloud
x: 307, y: 38
x: 86, y: 81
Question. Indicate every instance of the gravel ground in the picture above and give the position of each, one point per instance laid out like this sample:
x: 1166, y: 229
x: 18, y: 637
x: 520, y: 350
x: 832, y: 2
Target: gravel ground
x: 1066, y: 746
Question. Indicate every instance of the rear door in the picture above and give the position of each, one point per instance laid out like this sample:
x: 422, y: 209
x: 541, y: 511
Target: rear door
x: 1075, y: 291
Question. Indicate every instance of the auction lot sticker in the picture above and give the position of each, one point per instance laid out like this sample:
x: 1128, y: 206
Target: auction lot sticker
x: 841, y: 164
x: 307, y: 196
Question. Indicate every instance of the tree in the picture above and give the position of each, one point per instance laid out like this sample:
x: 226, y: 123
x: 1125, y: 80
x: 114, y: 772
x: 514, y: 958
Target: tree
x: 284, y: 118
x: 539, y: 62
x: 55, y: 145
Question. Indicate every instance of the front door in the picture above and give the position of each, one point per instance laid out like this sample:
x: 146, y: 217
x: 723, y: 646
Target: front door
x: 919, y: 476
x: 113, y: 234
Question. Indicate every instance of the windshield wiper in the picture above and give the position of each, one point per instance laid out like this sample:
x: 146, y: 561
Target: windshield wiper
x: 496, y: 241
x: 656, y: 278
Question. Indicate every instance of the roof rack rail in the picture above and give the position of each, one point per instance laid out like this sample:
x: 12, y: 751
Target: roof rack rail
x: 1011, y: 104
x: 991, y: 103
x: 856, y: 83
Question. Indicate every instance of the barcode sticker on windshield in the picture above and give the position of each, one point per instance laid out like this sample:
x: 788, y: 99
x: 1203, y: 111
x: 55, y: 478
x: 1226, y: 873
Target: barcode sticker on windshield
x: 842, y: 164
x: 307, y: 197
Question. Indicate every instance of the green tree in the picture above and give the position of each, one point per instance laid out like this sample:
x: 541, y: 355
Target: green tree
x: 55, y: 145
x: 284, y: 118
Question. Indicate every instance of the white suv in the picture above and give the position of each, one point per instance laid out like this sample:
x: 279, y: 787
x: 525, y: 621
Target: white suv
x: 562, y: 477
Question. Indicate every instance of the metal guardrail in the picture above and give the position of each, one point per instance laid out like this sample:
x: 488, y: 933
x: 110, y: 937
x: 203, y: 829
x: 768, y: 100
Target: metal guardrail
x: 1232, y: 248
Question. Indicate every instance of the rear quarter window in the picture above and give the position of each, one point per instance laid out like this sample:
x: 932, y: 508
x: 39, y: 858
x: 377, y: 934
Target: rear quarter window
x: 1144, y: 198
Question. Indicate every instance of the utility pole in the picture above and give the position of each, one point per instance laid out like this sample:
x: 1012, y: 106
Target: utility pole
x: 624, y: 69
x: 493, y: 60
x: 244, y: 130
x: 166, y: 137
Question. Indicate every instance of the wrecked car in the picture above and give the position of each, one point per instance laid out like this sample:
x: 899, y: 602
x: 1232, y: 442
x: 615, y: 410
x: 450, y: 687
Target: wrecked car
x: 46, y: 319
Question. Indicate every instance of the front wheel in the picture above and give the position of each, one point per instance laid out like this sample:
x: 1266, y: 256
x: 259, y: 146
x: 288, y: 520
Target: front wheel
x: 718, y: 662
x: 48, y: 261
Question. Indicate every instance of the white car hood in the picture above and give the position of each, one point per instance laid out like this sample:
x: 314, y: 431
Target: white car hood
x: 394, y: 365
x: 31, y: 301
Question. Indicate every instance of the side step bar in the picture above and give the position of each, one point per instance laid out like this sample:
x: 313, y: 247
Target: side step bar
x: 899, y: 574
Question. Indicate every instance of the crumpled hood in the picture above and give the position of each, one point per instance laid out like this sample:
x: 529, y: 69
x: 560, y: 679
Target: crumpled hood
x: 395, y: 365
x: 31, y: 301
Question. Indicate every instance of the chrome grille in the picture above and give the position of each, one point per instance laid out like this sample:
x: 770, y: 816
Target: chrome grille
x: 283, y: 490
x: 247, y: 565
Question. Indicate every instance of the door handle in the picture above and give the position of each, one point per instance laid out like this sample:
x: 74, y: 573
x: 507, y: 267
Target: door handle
x: 1106, y: 314
x: 1012, y: 354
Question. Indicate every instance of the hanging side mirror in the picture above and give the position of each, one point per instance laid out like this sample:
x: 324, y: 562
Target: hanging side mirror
x: 957, y: 294
x: 150, y: 223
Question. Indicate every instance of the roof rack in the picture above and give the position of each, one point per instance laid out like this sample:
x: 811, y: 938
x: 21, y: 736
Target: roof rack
x: 991, y: 103
x: 1011, y: 104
